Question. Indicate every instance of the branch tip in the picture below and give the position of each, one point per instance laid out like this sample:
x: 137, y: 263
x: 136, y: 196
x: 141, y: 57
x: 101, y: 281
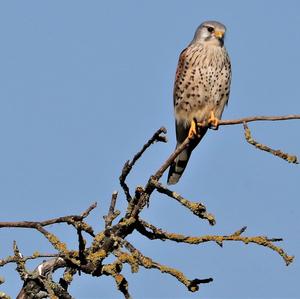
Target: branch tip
x: 239, y: 232
x: 194, y: 284
x: 88, y: 210
x: 278, y: 153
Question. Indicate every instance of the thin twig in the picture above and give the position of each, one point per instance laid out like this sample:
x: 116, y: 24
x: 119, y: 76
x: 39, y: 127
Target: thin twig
x: 81, y: 247
x: 67, y: 278
x: 278, y: 153
x: 114, y: 270
x: 71, y: 219
x: 20, y: 262
x: 257, y: 118
x: 112, y: 214
x: 137, y: 257
x: 35, y: 255
x: 157, y: 136
x: 236, y: 236
x: 88, y: 210
x: 158, y: 174
x: 196, y: 208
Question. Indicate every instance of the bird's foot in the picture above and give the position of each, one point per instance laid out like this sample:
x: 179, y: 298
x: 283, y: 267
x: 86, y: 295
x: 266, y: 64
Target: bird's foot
x: 213, y: 122
x: 193, y: 132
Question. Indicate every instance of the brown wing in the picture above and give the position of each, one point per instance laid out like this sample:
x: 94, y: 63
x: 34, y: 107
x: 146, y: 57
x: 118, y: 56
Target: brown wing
x: 178, y: 74
x: 178, y: 166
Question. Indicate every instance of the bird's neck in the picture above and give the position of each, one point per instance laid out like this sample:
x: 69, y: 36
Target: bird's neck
x: 210, y: 54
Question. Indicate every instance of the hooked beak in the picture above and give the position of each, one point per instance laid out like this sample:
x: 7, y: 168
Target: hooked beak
x: 219, y: 34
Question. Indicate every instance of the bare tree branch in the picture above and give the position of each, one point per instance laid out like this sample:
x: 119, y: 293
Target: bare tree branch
x: 35, y: 255
x: 137, y: 258
x: 257, y: 118
x: 157, y: 137
x: 196, y: 208
x: 89, y: 258
x: 112, y: 214
x: 71, y: 220
x: 157, y: 233
x: 36, y: 284
x: 278, y: 153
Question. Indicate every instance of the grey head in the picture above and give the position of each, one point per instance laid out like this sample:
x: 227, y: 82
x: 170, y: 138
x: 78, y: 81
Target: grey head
x: 210, y: 33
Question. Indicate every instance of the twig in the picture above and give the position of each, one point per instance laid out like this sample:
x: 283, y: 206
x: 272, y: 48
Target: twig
x: 145, y: 193
x: 278, y: 153
x: 67, y: 278
x: 114, y: 270
x: 20, y: 262
x: 122, y: 285
x: 157, y: 136
x: 88, y: 210
x: 170, y: 159
x: 55, y: 242
x: 35, y: 255
x: 72, y: 220
x: 112, y: 214
x: 196, y: 208
x: 137, y: 257
x: 113, y: 203
x: 81, y: 247
x: 236, y: 236
x: 257, y: 118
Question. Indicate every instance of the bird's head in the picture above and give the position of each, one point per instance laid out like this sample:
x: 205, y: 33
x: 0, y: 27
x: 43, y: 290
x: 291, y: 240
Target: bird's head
x: 210, y: 33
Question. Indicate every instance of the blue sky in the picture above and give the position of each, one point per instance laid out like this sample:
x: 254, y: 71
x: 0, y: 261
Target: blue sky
x: 84, y: 84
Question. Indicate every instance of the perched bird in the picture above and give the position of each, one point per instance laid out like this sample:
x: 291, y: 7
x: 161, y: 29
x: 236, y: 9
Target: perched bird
x: 201, y: 90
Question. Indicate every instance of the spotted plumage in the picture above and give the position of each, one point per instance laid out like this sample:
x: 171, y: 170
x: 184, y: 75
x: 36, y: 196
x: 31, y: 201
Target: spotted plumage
x: 202, y: 87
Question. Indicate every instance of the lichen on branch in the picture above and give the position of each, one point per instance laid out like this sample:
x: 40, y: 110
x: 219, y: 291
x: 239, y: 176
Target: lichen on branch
x: 90, y: 257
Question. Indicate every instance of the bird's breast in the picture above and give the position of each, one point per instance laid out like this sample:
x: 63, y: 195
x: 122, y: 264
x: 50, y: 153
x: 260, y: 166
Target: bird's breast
x: 201, y: 86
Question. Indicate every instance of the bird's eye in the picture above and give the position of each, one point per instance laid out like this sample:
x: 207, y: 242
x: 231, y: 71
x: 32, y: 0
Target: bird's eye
x: 210, y: 29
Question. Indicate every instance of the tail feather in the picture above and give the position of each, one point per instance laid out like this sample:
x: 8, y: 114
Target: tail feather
x: 178, y: 166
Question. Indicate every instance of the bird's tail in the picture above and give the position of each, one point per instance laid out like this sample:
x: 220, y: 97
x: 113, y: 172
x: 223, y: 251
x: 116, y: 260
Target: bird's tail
x: 178, y: 166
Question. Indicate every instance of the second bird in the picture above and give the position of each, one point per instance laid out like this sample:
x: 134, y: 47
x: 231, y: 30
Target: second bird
x: 201, y: 89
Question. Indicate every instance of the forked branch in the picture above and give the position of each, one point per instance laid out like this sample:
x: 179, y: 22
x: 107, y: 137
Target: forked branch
x: 112, y: 240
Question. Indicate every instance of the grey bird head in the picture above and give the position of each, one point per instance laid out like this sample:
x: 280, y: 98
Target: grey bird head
x: 210, y: 33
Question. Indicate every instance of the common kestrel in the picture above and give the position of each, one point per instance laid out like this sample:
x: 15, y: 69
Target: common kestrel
x: 201, y: 90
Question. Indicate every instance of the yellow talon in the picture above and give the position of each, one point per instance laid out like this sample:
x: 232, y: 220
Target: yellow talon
x: 213, y: 120
x: 193, y: 130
